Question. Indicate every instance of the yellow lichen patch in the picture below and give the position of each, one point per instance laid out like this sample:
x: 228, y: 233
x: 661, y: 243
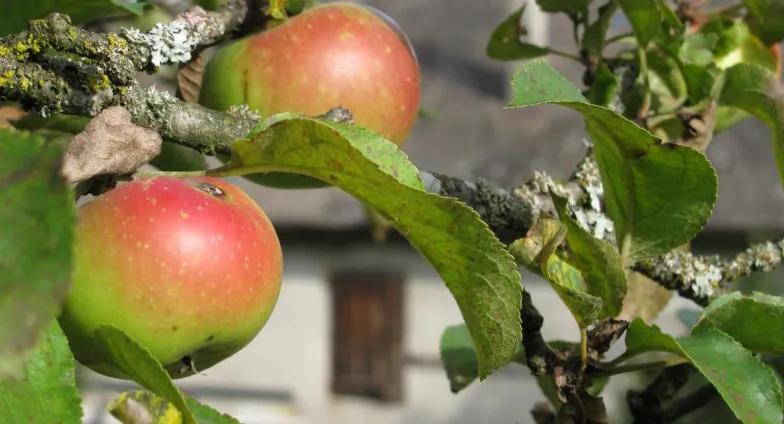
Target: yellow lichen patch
x: 99, y: 84
x: 33, y: 44
x: 4, y: 51
x: 24, y: 83
x: 6, y: 77
x: 21, y: 49
x: 116, y: 42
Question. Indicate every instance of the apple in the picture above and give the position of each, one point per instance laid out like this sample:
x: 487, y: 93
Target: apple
x: 190, y: 268
x: 333, y: 55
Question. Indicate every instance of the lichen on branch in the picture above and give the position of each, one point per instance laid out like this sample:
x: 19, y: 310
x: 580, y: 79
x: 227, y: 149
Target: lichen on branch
x: 56, y: 67
x: 175, y: 41
x: 696, y: 277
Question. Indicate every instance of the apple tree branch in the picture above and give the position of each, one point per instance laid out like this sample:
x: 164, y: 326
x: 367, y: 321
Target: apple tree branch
x: 55, y: 67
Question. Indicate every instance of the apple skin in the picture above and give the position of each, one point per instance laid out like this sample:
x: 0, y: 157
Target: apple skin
x: 337, y: 54
x: 190, y: 268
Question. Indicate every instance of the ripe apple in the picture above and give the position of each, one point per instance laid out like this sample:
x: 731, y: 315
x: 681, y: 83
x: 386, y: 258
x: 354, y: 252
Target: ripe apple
x: 337, y: 54
x: 190, y: 268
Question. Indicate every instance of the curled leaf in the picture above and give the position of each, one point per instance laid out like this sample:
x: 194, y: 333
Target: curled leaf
x: 189, y: 78
x: 110, y: 144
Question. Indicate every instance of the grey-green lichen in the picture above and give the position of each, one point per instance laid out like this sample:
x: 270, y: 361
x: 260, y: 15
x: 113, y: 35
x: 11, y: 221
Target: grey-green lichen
x: 173, y: 42
x: 699, y: 276
x: 57, y: 67
x: 206, y: 130
x: 760, y: 257
x: 584, y: 193
x: 165, y: 43
x: 590, y: 213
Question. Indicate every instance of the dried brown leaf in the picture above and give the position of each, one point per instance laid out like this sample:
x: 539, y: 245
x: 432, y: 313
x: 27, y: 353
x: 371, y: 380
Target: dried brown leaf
x: 190, y: 77
x: 110, y: 145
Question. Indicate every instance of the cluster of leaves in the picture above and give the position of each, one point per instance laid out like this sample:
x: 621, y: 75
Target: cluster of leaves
x: 476, y: 267
x: 640, y: 110
x: 653, y: 100
x: 680, y: 75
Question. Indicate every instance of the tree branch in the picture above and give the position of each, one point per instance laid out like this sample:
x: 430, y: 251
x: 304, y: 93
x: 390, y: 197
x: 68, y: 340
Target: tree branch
x: 699, y: 278
x: 203, y: 129
x: 508, y: 216
x: 540, y: 357
x: 195, y: 28
x: 648, y: 405
x: 56, y: 67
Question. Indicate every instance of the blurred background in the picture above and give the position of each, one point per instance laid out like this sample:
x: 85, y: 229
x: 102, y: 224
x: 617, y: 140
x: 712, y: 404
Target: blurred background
x: 354, y: 337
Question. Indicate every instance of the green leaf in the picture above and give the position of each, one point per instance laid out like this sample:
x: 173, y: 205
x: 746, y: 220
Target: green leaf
x: 71, y: 124
x: 37, y: 218
x: 596, y: 33
x: 659, y: 196
x: 458, y: 356
x: 569, y: 284
x: 666, y: 81
x: 46, y: 392
x: 645, y: 18
x: 757, y: 91
x: 17, y: 13
x: 598, y: 261
x: 207, y: 415
x: 735, y: 43
x: 765, y: 19
x: 669, y: 16
x: 751, y: 320
x: 703, y: 83
x: 604, y: 87
x: 126, y: 409
x: 138, y: 364
x: 672, y: 32
x: 748, y: 385
x: 537, y: 251
x: 697, y: 49
x: 641, y: 337
x: 537, y: 82
x: 540, y: 242
x: 475, y: 266
x: 178, y: 158
x: 505, y: 42
x: 566, y: 6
